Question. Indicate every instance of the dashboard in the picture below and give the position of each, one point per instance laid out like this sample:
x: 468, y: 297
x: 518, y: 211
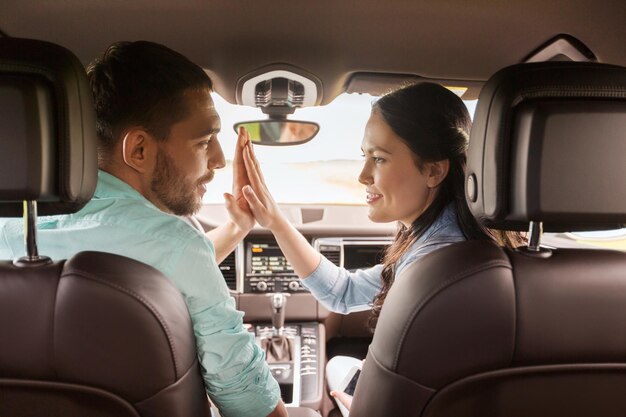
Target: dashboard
x: 258, y: 265
x: 342, y: 233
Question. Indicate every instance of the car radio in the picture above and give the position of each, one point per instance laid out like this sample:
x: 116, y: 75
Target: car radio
x: 267, y: 269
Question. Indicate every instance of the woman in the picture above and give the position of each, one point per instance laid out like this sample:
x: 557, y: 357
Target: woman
x: 414, y: 147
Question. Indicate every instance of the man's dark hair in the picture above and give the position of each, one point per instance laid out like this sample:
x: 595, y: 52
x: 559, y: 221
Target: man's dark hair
x: 141, y: 84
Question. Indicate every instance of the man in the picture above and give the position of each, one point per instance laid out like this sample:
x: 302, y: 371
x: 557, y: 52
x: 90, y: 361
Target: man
x: 157, y: 148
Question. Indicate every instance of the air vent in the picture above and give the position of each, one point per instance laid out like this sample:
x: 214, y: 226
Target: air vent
x: 332, y: 253
x: 229, y: 270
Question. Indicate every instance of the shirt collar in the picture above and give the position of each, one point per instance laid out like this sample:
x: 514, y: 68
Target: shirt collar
x: 445, y: 219
x: 447, y: 216
x: 111, y: 186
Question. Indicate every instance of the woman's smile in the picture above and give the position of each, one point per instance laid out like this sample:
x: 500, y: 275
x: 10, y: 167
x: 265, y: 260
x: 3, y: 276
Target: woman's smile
x: 373, y: 197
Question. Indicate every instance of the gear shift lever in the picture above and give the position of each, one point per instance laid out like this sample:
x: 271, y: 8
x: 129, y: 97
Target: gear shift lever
x: 278, y: 348
x: 279, y: 302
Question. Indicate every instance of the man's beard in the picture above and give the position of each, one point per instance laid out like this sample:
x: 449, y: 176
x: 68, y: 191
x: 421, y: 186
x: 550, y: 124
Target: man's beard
x: 176, y: 193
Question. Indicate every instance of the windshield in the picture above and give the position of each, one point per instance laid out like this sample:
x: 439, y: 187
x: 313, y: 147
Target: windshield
x: 322, y: 171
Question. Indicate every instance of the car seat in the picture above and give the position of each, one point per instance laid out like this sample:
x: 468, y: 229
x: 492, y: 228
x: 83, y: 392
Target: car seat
x: 98, y: 334
x: 477, y: 330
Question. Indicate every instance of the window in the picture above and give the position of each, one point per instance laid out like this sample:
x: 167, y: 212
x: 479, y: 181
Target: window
x: 610, y: 239
x: 322, y: 171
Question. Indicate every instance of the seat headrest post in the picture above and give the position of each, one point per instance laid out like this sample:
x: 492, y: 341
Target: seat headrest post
x: 534, y: 248
x: 32, y: 258
x: 535, y: 231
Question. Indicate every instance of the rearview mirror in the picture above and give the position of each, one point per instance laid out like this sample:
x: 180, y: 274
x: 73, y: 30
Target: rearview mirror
x: 279, y: 132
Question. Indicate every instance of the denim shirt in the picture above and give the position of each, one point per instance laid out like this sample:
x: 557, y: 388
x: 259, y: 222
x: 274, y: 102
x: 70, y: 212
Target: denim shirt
x: 342, y: 291
x: 119, y: 220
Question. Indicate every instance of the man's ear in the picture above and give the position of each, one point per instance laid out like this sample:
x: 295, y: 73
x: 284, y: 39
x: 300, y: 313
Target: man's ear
x: 139, y: 150
x: 437, y: 172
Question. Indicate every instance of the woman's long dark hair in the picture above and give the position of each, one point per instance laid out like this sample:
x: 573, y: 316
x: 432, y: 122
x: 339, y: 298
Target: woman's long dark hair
x: 434, y: 123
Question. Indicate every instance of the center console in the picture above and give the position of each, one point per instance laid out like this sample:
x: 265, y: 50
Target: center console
x: 295, y: 349
x: 300, y: 379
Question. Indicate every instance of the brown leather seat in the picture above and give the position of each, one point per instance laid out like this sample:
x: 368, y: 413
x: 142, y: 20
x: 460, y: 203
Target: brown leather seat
x: 98, y: 334
x: 476, y: 330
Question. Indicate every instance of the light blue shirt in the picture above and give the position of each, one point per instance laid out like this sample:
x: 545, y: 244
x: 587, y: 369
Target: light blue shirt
x: 342, y: 291
x: 120, y: 220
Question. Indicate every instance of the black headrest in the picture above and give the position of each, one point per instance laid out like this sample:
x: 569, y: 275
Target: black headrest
x: 548, y: 144
x: 47, y: 129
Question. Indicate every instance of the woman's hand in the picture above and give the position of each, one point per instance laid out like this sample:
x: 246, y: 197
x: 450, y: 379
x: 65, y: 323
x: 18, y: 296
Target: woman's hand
x: 258, y: 197
x: 236, y: 204
x: 296, y: 248
x: 343, y: 398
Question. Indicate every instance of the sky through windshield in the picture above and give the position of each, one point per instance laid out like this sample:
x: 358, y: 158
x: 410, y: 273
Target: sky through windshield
x: 322, y: 171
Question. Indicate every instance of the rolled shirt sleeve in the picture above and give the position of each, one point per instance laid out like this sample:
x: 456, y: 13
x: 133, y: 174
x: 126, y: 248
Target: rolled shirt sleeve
x: 342, y: 291
x: 236, y: 375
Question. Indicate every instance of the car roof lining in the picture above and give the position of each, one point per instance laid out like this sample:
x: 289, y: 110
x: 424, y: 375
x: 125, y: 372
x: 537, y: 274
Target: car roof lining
x: 441, y: 40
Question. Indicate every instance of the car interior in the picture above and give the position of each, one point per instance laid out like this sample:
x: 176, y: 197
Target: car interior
x: 472, y: 330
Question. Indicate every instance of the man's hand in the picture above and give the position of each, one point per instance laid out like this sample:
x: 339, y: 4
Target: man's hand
x: 236, y: 204
x: 243, y: 219
x: 227, y: 236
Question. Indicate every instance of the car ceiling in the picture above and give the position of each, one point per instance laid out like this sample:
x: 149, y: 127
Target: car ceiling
x: 461, y: 41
